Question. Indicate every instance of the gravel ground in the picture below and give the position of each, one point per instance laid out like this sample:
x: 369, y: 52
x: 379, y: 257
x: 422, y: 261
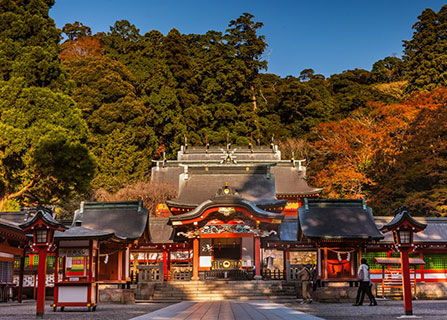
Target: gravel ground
x: 104, y: 311
x: 387, y: 309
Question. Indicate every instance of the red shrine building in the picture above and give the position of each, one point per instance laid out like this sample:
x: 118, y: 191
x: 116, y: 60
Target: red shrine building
x: 247, y: 214
x: 240, y: 213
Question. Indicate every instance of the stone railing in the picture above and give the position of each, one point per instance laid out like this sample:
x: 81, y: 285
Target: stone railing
x: 150, y: 273
x: 273, y: 274
x: 292, y: 272
x: 181, y: 275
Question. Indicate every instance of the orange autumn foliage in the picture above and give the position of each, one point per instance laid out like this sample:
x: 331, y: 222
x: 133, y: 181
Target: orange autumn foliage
x: 418, y: 176
x: 349, y: 153
x: 80, y: 48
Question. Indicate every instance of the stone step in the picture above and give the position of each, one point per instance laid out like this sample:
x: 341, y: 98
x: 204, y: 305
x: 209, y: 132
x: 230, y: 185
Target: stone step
x: 223, y: 288
x: 220, y: 297
x: 253, y: 286
x: 218, y: 290
x: 228, y: 293
x: 224, y: 282
x: 264, y: 290
x: 234, y: 292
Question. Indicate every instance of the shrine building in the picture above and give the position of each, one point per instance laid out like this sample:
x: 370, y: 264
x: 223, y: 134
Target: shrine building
x: 237, y: 209
x: 240, y: 213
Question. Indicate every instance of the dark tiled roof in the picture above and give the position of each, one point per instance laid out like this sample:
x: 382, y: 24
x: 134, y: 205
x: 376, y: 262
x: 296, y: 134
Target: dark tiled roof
x: 258, y: 174
x: 330, y: 220
x: 126, y: 219
x: 167, y: 175
x: 11, y: 225
x: 258, y: 153
x: 288, y: 230
x: 77, y: 233
x: 201, y: 187
x: 18, y: 217
x: 160, y: 230
x: 291, y: 180
x: 227, y: 201
x: 436, y: 230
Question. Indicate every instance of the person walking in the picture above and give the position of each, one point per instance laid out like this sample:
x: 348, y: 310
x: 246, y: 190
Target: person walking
x: 306, y: 282
x: 365, y: 285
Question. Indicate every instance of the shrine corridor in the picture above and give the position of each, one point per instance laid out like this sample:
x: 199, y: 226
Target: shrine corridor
x: 227, y: 310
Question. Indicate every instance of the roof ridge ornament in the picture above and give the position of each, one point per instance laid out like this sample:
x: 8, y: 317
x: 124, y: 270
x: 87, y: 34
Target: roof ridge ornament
x: 228, y: 157
x: 226, y: 191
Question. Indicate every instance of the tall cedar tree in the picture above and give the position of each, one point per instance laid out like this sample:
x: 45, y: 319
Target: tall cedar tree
x: 249, y: 48
x: 120, y: 135
x: 425, y: 52
x: 43, y: 158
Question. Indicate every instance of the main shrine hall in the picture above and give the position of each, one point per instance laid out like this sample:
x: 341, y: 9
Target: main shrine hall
x: 237, y: 209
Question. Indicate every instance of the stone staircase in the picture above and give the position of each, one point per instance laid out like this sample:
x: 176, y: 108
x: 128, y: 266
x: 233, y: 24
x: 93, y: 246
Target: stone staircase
x: 222, y: 290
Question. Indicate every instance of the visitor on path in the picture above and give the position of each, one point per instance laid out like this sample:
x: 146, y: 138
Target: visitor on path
x: 306, y: 282
x: 365, y: 285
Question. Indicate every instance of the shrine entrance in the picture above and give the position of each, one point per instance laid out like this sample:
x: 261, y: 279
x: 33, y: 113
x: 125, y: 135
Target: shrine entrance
x: 226, y: 258
x: 227, y: 249
x: 225, y: 234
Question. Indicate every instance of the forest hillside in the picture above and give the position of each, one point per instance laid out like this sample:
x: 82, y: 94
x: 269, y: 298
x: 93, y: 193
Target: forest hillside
x: 83, y: 115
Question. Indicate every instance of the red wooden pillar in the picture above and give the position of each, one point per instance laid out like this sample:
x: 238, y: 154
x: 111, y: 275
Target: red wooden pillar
x: 165, y: 264
x: 421, y: 255
x: 195, y: 260
x: 286, y: 258
x: 408, y: 304
x: 120, y: 265
x: 90, y: 262
x: 169, y: 265
x: 42, y: 273
x: 258, y: 258
x: 56, y: 277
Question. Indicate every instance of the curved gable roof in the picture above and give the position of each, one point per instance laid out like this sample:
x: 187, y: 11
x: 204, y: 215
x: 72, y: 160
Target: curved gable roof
x: 227, y: 202
x: 126, y: 219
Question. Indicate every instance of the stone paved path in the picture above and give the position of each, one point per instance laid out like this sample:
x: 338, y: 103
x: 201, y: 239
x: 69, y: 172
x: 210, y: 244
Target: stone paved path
x: 227, y: 310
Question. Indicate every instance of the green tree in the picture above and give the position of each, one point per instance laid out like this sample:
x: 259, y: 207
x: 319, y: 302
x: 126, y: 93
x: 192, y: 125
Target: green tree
x: 76, y: 30
x: 242, y: 36
x: 29, y: 43
x: 353, y: 89
x: 120, y: 133
x: 389, y: 69
x: 43, y: 158
x: 425, y: 52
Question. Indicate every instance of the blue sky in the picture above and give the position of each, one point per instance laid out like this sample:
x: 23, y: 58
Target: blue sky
x: 328, y: 36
